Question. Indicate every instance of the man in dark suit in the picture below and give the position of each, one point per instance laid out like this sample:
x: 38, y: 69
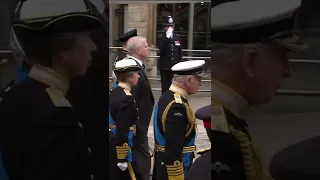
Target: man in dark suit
x: 170, y: 53
x: 138, y: 50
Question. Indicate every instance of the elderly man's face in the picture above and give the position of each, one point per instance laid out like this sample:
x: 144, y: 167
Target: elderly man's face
x: 193, y: 84
x: 269, y: 68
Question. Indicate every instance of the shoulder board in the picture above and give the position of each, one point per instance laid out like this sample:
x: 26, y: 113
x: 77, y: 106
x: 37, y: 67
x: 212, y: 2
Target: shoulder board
x: 128, y: 93
x: 177, y: 98
x: 218, y: 118
x: 57, y: 97
x: 202, y: 151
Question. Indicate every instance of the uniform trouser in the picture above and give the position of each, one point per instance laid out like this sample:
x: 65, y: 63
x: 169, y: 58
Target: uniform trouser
x: 166, y: 79
x: 142, y: 160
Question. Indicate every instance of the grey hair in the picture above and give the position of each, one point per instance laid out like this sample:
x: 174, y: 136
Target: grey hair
x: 134, y: 43
x: 225, y: 55
x: 180, y: 78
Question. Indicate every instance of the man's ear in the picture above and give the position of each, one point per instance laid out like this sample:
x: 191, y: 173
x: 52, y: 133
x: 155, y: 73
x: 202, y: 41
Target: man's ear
x: 249, y: 59
x: 188, y: 80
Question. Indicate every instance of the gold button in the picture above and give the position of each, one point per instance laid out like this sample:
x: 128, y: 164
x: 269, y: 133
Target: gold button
x: 80, y: 125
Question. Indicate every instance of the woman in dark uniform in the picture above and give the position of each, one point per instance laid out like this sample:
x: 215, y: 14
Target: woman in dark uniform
x: 39, y: 137
x: 122, y: 117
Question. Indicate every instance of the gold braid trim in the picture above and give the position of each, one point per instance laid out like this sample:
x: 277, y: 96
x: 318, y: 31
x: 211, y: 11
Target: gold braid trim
x: 175, y: 171
x: 192, y: 119
x: 190, y: 116
x: 122, y: 151
x: 253, y: 165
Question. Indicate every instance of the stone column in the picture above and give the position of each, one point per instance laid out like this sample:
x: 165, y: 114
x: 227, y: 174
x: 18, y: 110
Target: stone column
x: 143, y: 17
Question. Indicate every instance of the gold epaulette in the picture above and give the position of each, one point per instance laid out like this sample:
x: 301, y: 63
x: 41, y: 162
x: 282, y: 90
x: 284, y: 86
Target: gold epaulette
x: 175, y: 171
x: 202, y: 151
x: 122, y: 151
x: 57, y: 97
x: 218, y: 118
x: 128, y: 93
x: 177, y: 98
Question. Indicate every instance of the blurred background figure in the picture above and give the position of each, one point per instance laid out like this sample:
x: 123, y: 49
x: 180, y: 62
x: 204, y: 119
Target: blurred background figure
x: 201, y: 167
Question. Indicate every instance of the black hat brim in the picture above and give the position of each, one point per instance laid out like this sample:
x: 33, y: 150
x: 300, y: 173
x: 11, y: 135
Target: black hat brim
x: 48, y: 26
x: 127, y: 69
x: 126, y: 36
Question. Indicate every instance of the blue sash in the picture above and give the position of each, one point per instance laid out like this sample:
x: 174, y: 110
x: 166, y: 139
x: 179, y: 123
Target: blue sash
x: 22, y: 74
x: 115, y: 84
x: 162, y: 142
x: 130, y: 136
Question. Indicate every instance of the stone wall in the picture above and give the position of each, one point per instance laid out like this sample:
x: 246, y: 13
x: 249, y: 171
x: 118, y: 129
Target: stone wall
x: 143, y: 18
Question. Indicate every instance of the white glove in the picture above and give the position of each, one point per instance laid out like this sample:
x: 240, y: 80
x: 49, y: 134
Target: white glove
x: 123, y: 166
x: 169, y: 32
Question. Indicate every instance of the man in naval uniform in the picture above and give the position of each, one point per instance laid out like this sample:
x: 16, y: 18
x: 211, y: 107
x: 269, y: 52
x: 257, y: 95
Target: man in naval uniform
x: 249, y: 52
x: 169, y: 44
x: 174, y: 123
x: 124, y: 39
x: 39, y: 136
x: 201, y: 168
x: 299, y: 161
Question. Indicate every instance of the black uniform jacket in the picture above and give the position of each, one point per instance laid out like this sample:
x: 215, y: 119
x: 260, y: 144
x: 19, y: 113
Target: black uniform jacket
x: 201, y: 167
x: 170, y: 51
x: 121, y: 55
x: 233, y: 154
x: 124, y: 113
x: 39, y: 137
x: 123, y: 110
x: 176, y: 123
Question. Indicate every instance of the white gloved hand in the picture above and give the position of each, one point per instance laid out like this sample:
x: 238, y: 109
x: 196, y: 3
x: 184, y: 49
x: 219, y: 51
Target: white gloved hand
x: 169, y: 33
x: 123, y: 166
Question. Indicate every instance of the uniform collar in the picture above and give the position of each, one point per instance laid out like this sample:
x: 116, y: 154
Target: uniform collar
x: 176, y: 89
x: 124, y: 86
x: 49, y: 77
x: 227, y: 97
x: 138, y: 60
